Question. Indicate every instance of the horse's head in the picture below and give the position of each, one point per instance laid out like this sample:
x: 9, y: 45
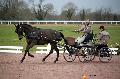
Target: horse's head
x: 19, y: 31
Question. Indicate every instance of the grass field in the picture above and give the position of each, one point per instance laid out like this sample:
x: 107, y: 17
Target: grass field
x: 9, y: 37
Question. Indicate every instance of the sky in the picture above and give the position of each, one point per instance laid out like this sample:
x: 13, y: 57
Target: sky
x: 86, y: 4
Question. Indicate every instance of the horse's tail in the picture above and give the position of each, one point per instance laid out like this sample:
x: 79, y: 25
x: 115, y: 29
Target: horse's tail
x: 63, y: 37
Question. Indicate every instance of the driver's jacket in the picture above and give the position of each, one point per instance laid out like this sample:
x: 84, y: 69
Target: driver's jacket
x: 85, y: 29
x: 86, y: 37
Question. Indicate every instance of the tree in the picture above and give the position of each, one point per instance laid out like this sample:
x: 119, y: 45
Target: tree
x: 98, y: 15
x: 107, y: 14
x: 8, y: 9
x: 115, y: 17
x: 14, y: 10
x: 82, y: 14
x: 69, y: 10
x: 42, y: 10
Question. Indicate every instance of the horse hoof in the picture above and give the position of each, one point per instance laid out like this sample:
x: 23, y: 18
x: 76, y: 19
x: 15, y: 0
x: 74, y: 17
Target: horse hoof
x: 43, y: 60
x: 31, y: 55
x: 21, y: 61
x: 55, y: 61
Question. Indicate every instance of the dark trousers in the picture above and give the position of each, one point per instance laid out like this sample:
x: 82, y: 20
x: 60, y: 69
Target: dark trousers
x: 88, y: 37
x: 99, y: 46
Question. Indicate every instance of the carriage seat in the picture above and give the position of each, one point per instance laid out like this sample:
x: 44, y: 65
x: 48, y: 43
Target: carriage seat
x: 71, y: 41
x: 88, y: 38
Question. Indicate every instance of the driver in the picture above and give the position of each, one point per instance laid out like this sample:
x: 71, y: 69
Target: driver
x: 86, y: 30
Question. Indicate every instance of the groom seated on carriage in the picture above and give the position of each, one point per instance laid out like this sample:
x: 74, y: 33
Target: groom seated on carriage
x: 103, y: 38
x: 87, y: 33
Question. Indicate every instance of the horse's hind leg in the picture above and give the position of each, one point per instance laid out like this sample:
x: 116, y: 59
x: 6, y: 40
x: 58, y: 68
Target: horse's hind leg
x: 53, y: 46
x: 51, y: 51
x: 57, y: 50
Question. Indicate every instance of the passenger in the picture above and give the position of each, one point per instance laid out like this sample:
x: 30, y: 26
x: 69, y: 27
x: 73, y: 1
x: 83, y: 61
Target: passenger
x: 103, y: 38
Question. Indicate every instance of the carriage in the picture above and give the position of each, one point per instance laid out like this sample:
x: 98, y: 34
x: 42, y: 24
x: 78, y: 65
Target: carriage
x: 37, y: 36
x: 85, y: 51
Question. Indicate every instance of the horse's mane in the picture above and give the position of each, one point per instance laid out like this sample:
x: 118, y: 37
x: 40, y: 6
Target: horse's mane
x: 26, y: 25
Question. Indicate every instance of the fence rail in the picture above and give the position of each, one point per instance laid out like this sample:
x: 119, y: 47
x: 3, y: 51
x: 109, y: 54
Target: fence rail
x: 19, y: 49
x: 58, y: 22
x: 11, y: 49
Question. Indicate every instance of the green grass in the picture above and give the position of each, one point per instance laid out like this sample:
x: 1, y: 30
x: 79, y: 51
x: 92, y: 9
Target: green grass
x: 9, y: 37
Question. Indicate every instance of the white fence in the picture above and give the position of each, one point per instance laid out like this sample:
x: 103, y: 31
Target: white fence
x: 114, y: 51
x: 11, y: 49
x: 19, y: 49
x: 58, y: 22
x: 47, y: 49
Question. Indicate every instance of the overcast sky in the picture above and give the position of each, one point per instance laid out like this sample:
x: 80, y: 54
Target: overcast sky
x: 87, y: 4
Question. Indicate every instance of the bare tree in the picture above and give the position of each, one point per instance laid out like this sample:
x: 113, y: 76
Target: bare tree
x: 24, y: 12
x: 107, y: 14
x: 8, y: 9
x: 98, y: 14
x: 102, y: 14
x: 69, y: 10
x: 82, y: 14
x: 42, y: 10
x: 14, y: 10
x: 115, y: 17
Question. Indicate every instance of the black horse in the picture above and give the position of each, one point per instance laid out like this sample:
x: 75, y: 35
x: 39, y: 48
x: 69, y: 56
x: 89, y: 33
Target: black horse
x: 38, y: 36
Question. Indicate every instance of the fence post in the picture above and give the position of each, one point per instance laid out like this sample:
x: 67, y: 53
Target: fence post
x: 55, y: 22
x: 65, y: 22
x: 27, y: 22
x: 92, y: 23
x: 1, y: 22
x: 48, y: 47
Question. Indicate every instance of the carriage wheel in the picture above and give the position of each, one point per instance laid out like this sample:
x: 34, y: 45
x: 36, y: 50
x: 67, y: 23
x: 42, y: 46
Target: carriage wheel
x: 85, y: 54
x: 105, y: 55
x: 92, y: 57
x: 68, y: 57
x: 92, y: 53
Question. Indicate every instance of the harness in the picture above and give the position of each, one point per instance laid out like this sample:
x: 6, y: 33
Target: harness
x: 33, y: 35
x: 44, y: 35
x: 38, y: 35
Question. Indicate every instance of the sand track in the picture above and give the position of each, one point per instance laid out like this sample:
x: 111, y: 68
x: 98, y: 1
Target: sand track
x: 33, y: 68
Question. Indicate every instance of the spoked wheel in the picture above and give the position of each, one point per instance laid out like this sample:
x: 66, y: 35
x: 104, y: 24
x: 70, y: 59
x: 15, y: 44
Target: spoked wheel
x: 105, y: 55
x: 92, y: 53
x: 85, y: 54
x: 68, y: 56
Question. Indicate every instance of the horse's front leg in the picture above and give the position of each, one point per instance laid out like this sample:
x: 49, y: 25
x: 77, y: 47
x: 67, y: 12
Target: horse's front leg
x: 27, y: 50
x: 23, y: 57
x: 28, y: 47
